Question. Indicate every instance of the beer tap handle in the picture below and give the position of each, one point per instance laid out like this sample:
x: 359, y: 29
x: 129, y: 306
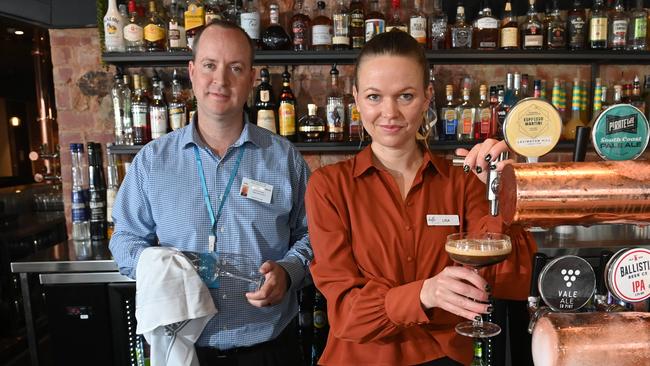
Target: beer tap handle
x: 601, y: 288
x: 492, y: 185
x: 580, y: 148
x: 539, y: 260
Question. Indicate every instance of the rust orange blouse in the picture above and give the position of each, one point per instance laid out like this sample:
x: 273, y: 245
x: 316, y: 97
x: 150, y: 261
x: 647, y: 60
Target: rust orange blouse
x: 373, y: 251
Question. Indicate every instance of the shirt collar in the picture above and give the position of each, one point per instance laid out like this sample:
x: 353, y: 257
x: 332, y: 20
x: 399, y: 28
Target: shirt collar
x: 363, y: 162
x: 192, y: 137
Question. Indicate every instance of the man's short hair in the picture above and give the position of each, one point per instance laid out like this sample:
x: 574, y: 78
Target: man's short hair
x: 226, y: 25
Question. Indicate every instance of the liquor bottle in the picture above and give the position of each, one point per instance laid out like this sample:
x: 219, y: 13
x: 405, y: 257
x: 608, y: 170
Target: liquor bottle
x: 486, y: 29
x: 638, y: 28
x: 636, y: 99
x: 466, y: 117
x: 232, y: 12
x: 603, y: 98
x: 395, y: 18
x: 158, y: 111
x: 496, y: 99
x: 177, y: 106
x: 118, y: 109
x: 569, y: 130
x: 449, y: 115
x: 264, y: 105
x: 176, y: 29
x: 357, y: 26
x: 431, y: 115
x: 154, y: 32
x: 598, y: 23
x: 287, y: 109
x: 618, y: 92
x: 311, y: 127
x: 96, y: 193
x: 321, y: 327
x: 211, y: 10
x: 626, y: 96
x: 617, y: 33
x: 504, y: 107
x: 112, y: 186
x: 113, y: 28
x: 340, y: 26
x: 537, y: 89
x: 532, y: 32
x: 133, y: 31
x: 461, y: 32
x: 191, y: 109
x: 483, y: 122
x: 140, y: 113
x: 194, y: 20
x: 300, y: 27
x: 352, y: 115
x: 598, y: 97
x: 523, y: 89
x: 577, y: 32
x: 335, y: 108
x: 321, y: 30
x: 274, y: 36
x: 478, y: 353
x: 79, y: 202
x: 556, y: 29
x: 646, y: 94
x: 509, y: 34
x: 127, y: 117
x: 438, y: 27
x: 249, y: 20
x: 375, y: 22
x: 418, y: 24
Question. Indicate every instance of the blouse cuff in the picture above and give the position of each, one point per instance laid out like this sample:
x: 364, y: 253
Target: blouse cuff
x: 403, y: 305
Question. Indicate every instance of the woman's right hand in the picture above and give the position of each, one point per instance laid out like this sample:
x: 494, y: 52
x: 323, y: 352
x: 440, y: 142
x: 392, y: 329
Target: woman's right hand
x: 453, y: 290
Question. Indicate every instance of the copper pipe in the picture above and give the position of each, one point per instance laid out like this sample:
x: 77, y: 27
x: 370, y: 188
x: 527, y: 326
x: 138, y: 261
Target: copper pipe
x: 549, y: 194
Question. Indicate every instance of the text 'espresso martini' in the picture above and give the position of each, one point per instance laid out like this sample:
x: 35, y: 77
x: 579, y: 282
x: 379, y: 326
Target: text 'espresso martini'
x: 478, y: 252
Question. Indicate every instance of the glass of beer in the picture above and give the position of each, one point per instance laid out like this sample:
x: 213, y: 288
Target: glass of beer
x: 477, y: 250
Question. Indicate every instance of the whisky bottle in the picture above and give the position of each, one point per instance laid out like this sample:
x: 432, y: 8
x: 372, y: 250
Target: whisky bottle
x: 486, y: 29
x: 158, y: 111
x: 154, y: 31
x: 449, y: 117
x: 274, y: 36
x: 577, y: 32
x: 194, y: 20
x: 311, y: 127
x: 177, y: 106
x: 461, y: 32
x: 300, y: 27
x: 496, y: 98
x: 335, y: 108
x: 569, y: 130
x: 140, y: 113
x: 626, y: 96
x: 395, y: 20
x: 509, y: 34
x: 598, y: 23
x: 212, y: 11
x: 483, y: 124
x: 466, y: 117
x: 177, y: 39
x: 341, y: 27
x: 617, y: 33
x: 264, y: 105
x: 352, y: 115
x: 532, y: 32
x: 133, y: 31
x: 556, y: 29
x: 418, y: 24
x: 374, y: 23
x: 357, y: 26
x: 249, y: 21
x: 287, y: 109
x: 438, y: 27
x: 321, y: 30
x: 127, y: 117
x: 113, y: 29
x: 637, y: 28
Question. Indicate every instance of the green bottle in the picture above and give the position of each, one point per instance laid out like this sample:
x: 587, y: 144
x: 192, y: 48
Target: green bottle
x: 478, y: 353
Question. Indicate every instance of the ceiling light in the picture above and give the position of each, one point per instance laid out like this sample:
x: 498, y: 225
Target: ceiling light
x: 19, y: 32
x: 15, y: 121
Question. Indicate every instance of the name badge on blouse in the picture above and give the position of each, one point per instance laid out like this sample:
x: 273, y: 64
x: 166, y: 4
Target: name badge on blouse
x: 443, y: 220
x: 256, y: 191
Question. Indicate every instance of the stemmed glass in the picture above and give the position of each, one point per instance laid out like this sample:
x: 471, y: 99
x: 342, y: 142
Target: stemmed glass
x: 477, y: 250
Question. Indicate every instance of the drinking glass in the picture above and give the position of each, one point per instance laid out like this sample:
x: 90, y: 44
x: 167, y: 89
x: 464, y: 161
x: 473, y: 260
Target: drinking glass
x: 233, y: 266
x: 477, y: 250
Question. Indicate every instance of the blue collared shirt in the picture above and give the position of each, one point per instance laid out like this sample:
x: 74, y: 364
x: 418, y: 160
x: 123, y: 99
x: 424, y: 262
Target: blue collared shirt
x: 161, y: 199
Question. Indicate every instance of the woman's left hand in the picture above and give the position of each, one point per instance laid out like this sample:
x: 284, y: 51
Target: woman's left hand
x: 482, y: 156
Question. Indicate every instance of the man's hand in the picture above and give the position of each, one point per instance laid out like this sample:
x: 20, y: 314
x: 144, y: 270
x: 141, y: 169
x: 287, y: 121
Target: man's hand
x: 275, y: 286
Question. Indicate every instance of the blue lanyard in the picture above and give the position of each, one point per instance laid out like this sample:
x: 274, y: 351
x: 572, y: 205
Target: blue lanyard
x: 206, y: 197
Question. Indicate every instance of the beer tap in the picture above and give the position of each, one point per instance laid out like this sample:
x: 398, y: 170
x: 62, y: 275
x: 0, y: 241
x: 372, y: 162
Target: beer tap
x: 492, y: 183
x: 534, y: 310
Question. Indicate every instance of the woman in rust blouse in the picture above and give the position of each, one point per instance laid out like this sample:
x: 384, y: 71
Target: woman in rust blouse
x: 378, y: 225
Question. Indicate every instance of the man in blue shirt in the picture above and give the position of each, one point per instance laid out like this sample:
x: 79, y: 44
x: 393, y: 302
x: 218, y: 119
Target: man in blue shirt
x: 223, y: 185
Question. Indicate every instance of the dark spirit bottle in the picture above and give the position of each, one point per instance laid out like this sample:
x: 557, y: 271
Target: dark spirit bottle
x: 140, y: 113
x: 287, y: 109
x: 264, y: 105
x: 300, y: 28
x: 335, y: 108
x: 638, y: 28
x: 449, y: 123
x: 438, y: 28
x: 155, y: 36
x: 617, y: 34
x: 395, y: 20
x: 509, y: 33
x: 357, y: 26
x: 486, y: 29
x: 375, y: 22
x: 341, y: 27
x: 274, y: 36
x: 311, y: 127
x: 556, y: 29
x: 418, y: 24
x: 577, y: 24
x: 212, y: 10
x: 483, y: 125
x: 461, y: 32
x: 532, y: 32
x: 496, y: 98
x: 598, y: 23
x: 321, y: 30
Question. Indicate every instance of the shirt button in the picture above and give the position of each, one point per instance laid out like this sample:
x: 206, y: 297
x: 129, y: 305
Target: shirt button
x: 225, y: 328
x: 223, y: 229
x: 408, y: 228
x: 409, y: 203
x: 224, y: 296
x: 409, y: 259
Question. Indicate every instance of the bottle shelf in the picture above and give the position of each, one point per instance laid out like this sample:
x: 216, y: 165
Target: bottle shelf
x: 160, y: 59
x: 350, y: 147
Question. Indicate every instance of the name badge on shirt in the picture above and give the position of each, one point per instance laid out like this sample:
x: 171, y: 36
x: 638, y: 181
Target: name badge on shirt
x: 256, y: 191
x: 443, y: 220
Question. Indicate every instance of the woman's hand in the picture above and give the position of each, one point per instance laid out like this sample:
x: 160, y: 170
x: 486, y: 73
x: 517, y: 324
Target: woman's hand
x: 482, y: 157
x: 453, y: 290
